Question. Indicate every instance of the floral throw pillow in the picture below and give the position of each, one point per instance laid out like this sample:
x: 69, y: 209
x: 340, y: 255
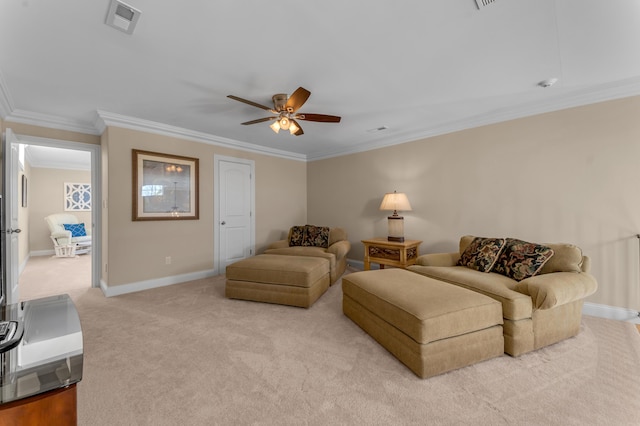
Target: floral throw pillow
x: 309, y: 236
x: 521, y: 259
x: 317, y: 236
x: 296, y: 236
x: 482, y: 253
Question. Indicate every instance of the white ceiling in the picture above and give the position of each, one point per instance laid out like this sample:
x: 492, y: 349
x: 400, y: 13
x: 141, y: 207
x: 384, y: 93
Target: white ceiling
x: 420, y: 68
x: 57, y: 158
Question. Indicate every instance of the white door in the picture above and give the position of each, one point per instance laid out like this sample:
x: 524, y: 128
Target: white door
x: 10, y: 211
x: 235, y: 211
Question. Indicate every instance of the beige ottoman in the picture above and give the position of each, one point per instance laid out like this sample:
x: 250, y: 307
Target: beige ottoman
x: 271, y: 278
x: 431, y: 326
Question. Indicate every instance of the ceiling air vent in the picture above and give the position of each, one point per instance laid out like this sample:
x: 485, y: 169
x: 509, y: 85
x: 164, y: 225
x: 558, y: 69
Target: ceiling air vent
x: 122, y: 17
x: 484, y: 3
x: 378, y: 129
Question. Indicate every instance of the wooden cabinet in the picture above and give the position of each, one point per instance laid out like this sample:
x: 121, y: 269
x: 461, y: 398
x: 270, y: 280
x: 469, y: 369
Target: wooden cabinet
x: 53, y: 408
x: 38, y: 377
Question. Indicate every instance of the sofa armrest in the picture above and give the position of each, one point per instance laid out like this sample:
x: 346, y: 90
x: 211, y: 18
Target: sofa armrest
x: 278, y: 244
x: 61, y: 234
x: 340, y: 248
x: 557, y: 288
x: 438, y: 259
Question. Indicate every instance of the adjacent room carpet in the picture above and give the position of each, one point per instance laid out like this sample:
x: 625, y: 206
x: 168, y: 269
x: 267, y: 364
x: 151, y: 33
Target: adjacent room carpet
x: 47, y: 275
x: 185, y: 355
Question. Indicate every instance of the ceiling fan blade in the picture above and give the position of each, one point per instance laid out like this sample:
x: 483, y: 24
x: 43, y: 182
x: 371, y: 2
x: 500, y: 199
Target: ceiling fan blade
x: 297, y: 99
x: 259, y: 120
x: 319, y: 117
x: 235, y: 98
x: 299, y: 131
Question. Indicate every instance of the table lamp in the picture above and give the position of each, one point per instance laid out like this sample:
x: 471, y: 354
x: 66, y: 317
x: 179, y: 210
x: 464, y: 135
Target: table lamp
x: 395, y: 201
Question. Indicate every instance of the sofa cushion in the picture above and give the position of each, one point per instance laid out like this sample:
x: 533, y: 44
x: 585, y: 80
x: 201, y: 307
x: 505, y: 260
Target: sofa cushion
x: 566, y: 258
x: 482, y: 253
x: 521, y: 259
x: 303, y: 251
x: 337, y: 234
x: 464, y: 242
x: 515, y: 305
x: 77, y: 229
x: 274, y: 269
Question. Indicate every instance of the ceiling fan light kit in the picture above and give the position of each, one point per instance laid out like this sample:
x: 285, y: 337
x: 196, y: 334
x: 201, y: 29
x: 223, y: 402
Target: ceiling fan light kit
x: 285, y: 124
x: 285, y: 109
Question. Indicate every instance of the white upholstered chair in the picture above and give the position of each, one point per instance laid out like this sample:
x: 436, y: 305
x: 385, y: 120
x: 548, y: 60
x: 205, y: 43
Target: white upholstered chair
x: 62, y: 237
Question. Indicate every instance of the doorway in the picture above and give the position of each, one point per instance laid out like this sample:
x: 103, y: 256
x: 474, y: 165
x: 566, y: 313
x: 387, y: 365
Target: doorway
x: 50, y: 167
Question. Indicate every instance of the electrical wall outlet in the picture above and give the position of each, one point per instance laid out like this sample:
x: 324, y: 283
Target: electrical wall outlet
x: 167, y: 260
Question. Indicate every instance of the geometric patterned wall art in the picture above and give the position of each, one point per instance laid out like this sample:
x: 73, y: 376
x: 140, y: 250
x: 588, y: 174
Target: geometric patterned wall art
x: 77, y: 197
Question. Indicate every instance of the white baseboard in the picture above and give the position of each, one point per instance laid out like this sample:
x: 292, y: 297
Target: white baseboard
x: 23, y: 265
x: 611, y: 312
x: 42, y: 253
x: 117, y: 290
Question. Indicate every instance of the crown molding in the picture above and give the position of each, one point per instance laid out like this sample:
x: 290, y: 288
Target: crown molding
x: 50, y: 121
x: 569, y: 99
x: 6, y: 104
x: 112, y: 119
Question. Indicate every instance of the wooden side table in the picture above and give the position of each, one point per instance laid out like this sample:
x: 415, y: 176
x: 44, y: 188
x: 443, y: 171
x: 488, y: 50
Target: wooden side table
x: 384, y: 252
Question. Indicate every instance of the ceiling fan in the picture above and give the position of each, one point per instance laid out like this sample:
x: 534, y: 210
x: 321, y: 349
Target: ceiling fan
x: 286, y: 109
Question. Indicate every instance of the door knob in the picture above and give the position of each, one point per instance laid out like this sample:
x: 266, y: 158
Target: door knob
x: 14, y: 231
x: 223, y: 223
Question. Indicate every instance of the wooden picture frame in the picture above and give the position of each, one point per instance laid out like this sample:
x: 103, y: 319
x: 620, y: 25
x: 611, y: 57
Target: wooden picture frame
x: 165, y: 186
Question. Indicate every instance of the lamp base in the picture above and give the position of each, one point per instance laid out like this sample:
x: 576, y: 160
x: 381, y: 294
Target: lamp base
x: 396, y: 239
x: 396, y: 228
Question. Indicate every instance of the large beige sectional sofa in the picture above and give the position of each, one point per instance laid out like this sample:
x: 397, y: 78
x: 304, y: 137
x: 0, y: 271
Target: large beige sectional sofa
x: 538, y: 310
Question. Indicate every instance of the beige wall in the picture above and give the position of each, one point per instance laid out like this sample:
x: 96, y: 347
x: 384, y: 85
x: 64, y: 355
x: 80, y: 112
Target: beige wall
x: 568, y: 176
x: 46, y: 188
x: 137, y: 250
x: 45, y: 132
x: 564, y: 176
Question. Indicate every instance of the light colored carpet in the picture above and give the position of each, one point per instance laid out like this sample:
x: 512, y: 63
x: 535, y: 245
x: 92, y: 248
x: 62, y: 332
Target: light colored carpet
x: 49, y: 275
x: 186, y: 355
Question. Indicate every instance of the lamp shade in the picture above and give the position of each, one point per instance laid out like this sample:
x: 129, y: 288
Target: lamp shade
x: 395, y: 201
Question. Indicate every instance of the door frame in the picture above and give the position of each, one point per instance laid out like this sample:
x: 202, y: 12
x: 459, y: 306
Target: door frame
x: 10, y: 222
x: 217, y: 159
x: 96, y: 193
